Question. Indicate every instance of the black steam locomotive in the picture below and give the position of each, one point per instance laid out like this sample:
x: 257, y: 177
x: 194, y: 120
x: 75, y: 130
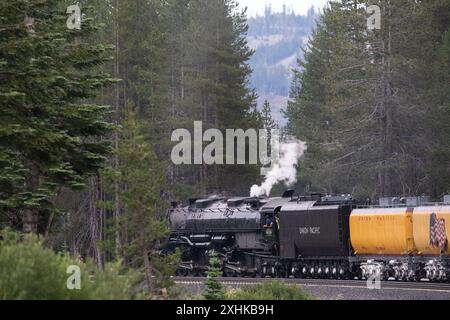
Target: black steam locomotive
x: 267, y: 237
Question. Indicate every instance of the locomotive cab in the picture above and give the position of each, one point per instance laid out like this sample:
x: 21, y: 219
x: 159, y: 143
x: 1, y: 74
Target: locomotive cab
x: 270, y: 219
x: 272, y: 223
x: 268, y: 226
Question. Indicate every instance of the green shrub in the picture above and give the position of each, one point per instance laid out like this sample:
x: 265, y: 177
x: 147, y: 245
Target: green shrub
x: 29, y: 271
x: 268, y: 291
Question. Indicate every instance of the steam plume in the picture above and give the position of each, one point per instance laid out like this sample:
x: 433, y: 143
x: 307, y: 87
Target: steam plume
x: 283, y: 171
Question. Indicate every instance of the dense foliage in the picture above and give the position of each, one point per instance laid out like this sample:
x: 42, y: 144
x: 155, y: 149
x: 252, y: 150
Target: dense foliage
x: 29, y: 271
x: 142, y: 225
x: 50, y: 133
x: 374, y: 105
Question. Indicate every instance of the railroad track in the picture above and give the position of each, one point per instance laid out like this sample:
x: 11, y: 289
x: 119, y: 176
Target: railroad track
x: 388, y: 285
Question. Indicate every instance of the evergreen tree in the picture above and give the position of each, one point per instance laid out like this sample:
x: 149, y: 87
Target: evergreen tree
x: 436, y: 96
x: 214, y: 288
x: 141, y: 177
x: 216, y: 85
x: 50, y: 135
x: 266, y: 117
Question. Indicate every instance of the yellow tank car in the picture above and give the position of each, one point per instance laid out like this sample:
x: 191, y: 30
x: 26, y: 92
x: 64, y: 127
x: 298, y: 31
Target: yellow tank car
x: 386, y: 231
x: 431, y: 226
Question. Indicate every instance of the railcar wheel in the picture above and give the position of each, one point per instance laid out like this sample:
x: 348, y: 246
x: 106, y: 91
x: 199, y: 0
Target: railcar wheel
x: 341, y: 273
x: 334, y: 272
x: 183, y: 272
x: 199, y: 273
x: 228, y: 273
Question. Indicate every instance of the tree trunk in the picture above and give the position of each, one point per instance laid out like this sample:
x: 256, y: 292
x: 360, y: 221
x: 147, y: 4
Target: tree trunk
x: 389, y: 112
x: 31, y: 215
x: 387, y: 116
x: 116, y: 135
x: 94, y: 221
x: 147, y: 266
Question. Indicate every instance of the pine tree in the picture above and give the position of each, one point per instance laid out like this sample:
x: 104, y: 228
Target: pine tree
x: 141, y: 176
x: 214, y: 288
x: 50, y: 135
x: 266, y: 117
x: 436, y: 96
x: 216, y: 85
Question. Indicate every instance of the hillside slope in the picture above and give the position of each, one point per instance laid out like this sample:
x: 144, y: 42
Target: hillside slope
x: 277, y: 39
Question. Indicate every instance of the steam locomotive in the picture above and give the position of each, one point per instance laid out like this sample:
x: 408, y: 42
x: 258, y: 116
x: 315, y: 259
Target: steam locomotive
x: 314, y: 236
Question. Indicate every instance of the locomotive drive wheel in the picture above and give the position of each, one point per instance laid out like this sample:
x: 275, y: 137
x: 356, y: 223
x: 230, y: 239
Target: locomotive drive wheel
x: 182, y: 272
x: 199, y: 273
x: 227, y: 273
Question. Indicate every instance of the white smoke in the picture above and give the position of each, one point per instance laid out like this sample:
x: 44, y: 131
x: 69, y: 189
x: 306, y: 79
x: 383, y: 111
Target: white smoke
x: 284, y: 171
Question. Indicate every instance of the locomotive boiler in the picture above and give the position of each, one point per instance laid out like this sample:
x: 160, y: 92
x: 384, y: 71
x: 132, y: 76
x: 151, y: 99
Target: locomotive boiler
x: 238, y: 229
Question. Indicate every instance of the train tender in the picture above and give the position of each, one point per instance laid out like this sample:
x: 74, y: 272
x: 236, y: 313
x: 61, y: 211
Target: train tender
x: 312, y: 236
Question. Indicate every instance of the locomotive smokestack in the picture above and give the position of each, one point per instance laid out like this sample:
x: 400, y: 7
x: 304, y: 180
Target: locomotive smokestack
x: 288, y: 194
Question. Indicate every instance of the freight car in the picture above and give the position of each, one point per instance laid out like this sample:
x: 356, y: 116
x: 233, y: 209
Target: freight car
x: 407, y: 243
x: 312, y: 236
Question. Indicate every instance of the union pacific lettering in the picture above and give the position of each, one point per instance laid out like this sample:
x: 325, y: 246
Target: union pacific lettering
x: 309, y: 230
x: 379, y: 218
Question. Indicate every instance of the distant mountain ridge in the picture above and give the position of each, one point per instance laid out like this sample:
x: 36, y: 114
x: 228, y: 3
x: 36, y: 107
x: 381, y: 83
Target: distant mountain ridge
x: 277, y: 39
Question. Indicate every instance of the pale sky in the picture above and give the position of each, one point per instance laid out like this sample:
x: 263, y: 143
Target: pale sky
x: 299, y: 6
